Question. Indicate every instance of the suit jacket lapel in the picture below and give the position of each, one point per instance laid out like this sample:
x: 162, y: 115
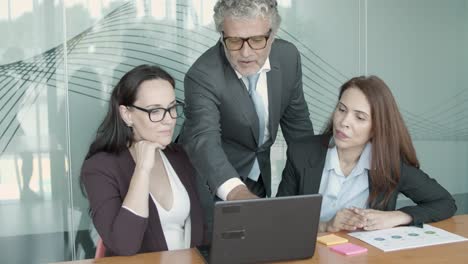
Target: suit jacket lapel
x: 154, y: 225
x: 311, y: 179
x: 180, y: 170
x: 274, y: 82
x: 313, y: 172
x: 237, y: 92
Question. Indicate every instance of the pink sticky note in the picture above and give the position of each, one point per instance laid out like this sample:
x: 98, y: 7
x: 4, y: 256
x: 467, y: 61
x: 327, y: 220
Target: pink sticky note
x: 349, y: 249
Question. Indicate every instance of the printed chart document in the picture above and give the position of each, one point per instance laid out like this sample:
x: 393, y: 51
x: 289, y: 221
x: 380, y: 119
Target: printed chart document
x: 406, y: 237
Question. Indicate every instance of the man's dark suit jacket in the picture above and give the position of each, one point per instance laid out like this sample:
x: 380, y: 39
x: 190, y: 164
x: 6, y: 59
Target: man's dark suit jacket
x: 106, y: 178
x: 220, y: 133
x: 303, y: 173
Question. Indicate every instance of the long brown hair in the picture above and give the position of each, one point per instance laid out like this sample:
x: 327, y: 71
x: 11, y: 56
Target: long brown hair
x: 391, y: 141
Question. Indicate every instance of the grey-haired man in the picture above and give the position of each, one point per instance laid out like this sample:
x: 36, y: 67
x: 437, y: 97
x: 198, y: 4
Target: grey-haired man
x: 237, y: 94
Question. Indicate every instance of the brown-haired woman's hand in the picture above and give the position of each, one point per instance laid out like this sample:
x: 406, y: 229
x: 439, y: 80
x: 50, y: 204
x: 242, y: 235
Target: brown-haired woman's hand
x: 345, y: 219
x: 376, y: 219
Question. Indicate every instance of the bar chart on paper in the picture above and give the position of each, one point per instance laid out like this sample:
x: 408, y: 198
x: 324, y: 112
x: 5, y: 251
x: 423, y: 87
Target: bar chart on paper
x: 406, y: 237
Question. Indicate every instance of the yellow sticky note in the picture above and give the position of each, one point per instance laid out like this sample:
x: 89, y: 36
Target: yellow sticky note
x: 331, y: 240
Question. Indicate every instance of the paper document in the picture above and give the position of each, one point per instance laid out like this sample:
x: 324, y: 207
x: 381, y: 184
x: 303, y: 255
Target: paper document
x: 406, y: 237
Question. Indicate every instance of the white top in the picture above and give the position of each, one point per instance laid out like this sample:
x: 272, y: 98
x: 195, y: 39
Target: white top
x: 175, y: 223
x: 341, y: 191
x: 262, y: 90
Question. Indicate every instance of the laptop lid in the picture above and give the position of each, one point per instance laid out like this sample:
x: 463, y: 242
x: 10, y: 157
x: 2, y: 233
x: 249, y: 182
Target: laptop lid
x: 263, y: 230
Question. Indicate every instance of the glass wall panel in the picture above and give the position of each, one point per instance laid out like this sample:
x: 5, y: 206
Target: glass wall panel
x: 420, y: 49
x: 34, y: 189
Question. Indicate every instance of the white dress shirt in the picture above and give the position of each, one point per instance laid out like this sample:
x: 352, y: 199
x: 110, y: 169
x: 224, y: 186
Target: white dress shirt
x: 262, y: 90
x: 341, y: 191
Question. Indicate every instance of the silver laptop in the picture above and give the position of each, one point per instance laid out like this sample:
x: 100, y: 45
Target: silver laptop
x: 264, y: 230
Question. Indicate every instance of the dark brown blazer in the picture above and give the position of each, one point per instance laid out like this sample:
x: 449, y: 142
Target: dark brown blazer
x: 106, y: 178
x: 303, y: 173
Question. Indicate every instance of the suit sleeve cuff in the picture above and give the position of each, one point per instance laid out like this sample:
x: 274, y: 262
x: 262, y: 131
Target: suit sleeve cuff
x: 227, y: 187
x: 133, y: 212
x: 416, y: 220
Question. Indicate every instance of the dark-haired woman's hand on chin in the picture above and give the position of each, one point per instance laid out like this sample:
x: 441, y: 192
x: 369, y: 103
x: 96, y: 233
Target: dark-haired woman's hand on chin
x: 345, y: 219
x: 144, y: 153
x: 376, y: 219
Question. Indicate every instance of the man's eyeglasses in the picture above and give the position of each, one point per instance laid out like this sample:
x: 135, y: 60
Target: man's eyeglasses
x: 255, y: 42
x: 158, y: 114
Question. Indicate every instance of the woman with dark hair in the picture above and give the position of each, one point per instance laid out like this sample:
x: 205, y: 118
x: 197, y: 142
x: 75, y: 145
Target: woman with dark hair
x: 140, y: 186
x: 360, y: 164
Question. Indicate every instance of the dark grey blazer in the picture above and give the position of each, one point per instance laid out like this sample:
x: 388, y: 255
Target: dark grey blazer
x: 107, y: 177
x: 220, y: 132
x: 303, y: 173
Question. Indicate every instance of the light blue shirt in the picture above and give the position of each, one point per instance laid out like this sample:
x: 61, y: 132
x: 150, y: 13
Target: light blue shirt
x: 341, y: 191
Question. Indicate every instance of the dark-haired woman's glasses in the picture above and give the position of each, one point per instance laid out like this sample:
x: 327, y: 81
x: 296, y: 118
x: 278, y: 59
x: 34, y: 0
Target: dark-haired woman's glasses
x: 158, y: 114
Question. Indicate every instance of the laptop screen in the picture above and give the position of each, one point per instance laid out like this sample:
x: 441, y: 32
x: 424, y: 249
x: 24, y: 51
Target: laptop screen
x: 262, y: 230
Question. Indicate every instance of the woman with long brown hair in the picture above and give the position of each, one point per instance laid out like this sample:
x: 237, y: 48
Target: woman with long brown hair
x: 360, y: 164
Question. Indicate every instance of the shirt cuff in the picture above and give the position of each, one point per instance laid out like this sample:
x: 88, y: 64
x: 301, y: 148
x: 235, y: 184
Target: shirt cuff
x: 130, y: 210
x: 227, y: 187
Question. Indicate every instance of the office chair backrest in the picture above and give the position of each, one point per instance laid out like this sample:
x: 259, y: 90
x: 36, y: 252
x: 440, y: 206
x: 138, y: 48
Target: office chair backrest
x: 100, y: 249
